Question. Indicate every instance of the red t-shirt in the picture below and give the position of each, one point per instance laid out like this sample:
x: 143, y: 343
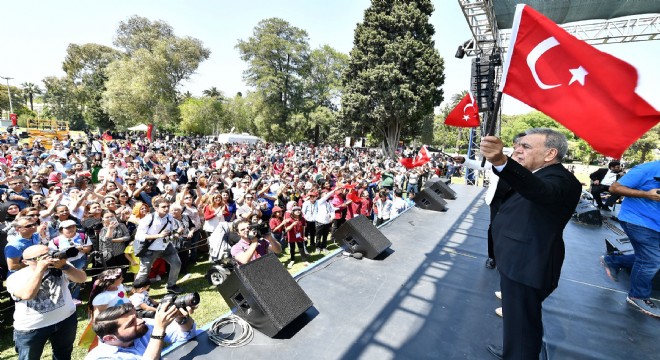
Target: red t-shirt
x: 297, y: 232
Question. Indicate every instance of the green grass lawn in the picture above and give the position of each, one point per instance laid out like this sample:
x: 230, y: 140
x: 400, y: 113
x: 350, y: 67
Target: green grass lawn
x: 212, y: 305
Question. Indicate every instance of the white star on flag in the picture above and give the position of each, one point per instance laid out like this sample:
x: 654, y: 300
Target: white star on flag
x: 578, y: 75
x: 466, y: 117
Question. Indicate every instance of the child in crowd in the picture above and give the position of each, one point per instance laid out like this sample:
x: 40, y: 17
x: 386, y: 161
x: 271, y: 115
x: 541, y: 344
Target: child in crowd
x: 294, y: 233
x: 144, y: 305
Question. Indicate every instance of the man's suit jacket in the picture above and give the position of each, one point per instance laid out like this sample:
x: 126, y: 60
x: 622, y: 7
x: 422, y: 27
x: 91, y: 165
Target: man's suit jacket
x: 528, y: 228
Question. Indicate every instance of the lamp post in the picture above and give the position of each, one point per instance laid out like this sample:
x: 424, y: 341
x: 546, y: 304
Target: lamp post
x: 11, y: 108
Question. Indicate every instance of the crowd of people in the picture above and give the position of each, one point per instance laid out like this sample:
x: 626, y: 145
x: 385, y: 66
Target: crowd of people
x: 112, y: 206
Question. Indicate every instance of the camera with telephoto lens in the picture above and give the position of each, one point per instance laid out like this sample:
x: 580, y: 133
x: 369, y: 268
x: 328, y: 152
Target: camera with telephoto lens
x: 65, y: 254
x: 259, y: 228
x: 181, y: 301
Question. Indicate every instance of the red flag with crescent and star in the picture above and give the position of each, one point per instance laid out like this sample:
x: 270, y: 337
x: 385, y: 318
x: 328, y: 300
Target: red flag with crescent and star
x: 590, y: 92
x: 419, y: 160
x: 465, y: 114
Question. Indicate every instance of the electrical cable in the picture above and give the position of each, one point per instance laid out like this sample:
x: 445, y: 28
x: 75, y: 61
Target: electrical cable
x: 220, y: 339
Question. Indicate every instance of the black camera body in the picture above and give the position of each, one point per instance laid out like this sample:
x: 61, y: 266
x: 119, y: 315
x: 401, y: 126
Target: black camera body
x: 181, y: 301
x: 260, y: 229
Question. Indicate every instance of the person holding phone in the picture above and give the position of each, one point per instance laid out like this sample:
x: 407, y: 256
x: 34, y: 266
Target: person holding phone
x: 113, y: 239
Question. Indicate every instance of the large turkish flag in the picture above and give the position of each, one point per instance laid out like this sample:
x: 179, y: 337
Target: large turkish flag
x: 588, y: 91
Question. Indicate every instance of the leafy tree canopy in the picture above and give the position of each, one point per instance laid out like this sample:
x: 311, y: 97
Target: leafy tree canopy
x: 395, y: 74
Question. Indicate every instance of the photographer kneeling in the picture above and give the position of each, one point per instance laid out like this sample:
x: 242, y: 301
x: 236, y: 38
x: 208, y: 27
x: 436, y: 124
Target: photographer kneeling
x: 254, y: 243
x: 122, y: 335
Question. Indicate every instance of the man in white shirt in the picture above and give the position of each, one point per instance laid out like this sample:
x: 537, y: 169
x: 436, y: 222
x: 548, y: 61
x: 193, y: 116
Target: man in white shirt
x: 601, y: 180
x: 155, y: 230
x: 44, y: 310
x: 398, y: 204
x: 309, y: 211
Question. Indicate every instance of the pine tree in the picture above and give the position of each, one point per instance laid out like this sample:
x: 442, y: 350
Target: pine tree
x: 395, y: 74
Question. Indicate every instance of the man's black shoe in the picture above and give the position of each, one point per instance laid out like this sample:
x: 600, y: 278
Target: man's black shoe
x: 495, y: 350
x: 175, y: 290
x: 490, y: 263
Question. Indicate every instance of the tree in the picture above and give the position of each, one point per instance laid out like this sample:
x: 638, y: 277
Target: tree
x: 16, y: 97
x: 85, y: 66
x: 213, y: 92
x: 640, y: 150
x: 29, y: 90
x: 277, y: 56
x: 202, y: 116
x: 323, y: 84
x: 143, y: 85
x: 241, y: 111
x: 395, y: 74
x: 61, y: 103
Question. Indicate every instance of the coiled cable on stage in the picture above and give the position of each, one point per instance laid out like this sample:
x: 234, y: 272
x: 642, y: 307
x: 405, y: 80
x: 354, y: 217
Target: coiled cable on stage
x: 223, y: 339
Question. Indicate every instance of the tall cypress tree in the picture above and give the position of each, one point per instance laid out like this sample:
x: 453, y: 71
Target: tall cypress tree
x: 395, y: 74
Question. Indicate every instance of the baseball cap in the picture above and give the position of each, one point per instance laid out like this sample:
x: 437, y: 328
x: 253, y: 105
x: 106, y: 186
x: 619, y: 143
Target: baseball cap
x: 67, y: 223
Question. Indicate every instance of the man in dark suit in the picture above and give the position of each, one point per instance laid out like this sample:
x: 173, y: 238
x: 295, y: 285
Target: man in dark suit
x: 527, y: 233
x: 601, y: 180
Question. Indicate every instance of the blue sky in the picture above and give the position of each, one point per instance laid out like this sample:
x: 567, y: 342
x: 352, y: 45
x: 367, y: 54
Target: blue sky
x: 42, y: 30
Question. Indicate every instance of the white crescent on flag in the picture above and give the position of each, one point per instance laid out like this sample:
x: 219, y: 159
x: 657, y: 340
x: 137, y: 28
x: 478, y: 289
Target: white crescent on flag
x: 534, y: 56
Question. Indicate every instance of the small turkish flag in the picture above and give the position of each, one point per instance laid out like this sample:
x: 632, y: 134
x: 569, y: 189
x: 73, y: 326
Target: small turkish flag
x: 590, y: 92
x: 419, y: 160
x: 465, y: 114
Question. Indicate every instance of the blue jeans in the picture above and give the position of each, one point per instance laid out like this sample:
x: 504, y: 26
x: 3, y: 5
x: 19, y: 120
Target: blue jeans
x: 644, y: 264
x: 30, y: 344
x: 73, y: 286
x: 414, y: 188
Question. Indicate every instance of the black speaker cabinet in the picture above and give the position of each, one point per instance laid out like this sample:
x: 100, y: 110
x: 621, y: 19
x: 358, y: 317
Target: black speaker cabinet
x: 441, y: 188
x: 428, y: 199
x: 265, y: 295
x: 360, y: 235
x: 587, y: 213
x: 620, y: 245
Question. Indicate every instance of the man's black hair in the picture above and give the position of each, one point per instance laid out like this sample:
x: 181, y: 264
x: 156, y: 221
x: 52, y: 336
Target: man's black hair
x: 613, y: 163
x: 106, y: 323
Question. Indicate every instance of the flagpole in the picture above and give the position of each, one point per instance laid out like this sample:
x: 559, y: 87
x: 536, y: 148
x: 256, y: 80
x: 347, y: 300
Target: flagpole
x: 492, y: 121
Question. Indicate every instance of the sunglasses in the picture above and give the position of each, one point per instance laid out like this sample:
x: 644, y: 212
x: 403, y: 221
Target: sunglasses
x: 29, y: 226
x: 16, y: 183
x: 188, y: 197
x: 37, y: 258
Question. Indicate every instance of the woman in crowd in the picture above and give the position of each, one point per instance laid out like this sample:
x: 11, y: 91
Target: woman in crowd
x: 125, y: 199
x: 214, y: 212
x: 113, y: 239
x: 37, y: 187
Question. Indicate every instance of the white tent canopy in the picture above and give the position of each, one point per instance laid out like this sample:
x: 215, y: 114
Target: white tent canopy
x: 141, y: 127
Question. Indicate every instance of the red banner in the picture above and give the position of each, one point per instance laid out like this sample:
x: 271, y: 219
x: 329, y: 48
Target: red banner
x: 14, y: 119
x: 150, y: 132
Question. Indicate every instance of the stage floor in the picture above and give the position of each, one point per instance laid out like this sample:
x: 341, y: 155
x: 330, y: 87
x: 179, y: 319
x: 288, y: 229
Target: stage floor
x: 432, y: 298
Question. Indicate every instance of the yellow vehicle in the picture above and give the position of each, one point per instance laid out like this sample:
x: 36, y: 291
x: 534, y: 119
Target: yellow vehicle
x: 45, y: 130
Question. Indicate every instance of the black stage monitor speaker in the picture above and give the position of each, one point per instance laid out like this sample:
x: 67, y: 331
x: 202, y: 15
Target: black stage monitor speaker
x: 265, y: 295
x: 428, y: 199
x: 360, y: 235
x: 620, y: 245
x: 442, y: 189
x: 587, y: 213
